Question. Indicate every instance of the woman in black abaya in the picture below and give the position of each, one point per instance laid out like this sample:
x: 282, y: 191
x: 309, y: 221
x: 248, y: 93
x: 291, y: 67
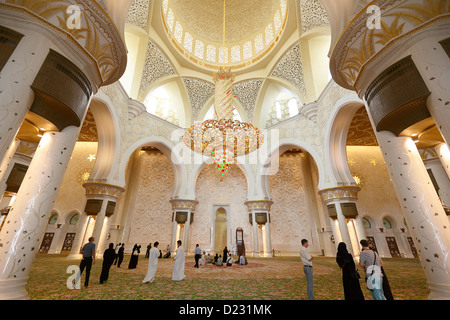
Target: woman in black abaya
x: 352, y: 288
x: 108, y: 258
x: 134, y: 257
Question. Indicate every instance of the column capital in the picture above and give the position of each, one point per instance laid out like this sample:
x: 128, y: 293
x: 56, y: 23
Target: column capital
x: 360, y: 43
x: 93, y: 32
x: 99, y: 189
x: 258, y: 204
x: 183, y: 204
x: 346, y: 193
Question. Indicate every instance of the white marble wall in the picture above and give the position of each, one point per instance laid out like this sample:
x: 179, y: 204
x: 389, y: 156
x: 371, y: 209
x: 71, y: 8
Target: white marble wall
x: 150, y: 213
x: 290, y: 219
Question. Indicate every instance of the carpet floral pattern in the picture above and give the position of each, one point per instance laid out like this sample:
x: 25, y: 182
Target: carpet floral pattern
x: 279, y: 278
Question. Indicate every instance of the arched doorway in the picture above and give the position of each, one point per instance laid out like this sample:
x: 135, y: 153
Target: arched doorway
x: 221, y: 208
x: 220, y: 229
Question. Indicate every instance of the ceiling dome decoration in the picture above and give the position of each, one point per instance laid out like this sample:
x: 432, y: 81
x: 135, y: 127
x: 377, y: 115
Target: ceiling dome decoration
x: 195, y: 29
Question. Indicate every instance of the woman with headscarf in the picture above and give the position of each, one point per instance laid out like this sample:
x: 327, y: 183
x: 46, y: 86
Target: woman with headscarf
x: 134, y: 257
x: 108, y: 258
x: 350, y: 279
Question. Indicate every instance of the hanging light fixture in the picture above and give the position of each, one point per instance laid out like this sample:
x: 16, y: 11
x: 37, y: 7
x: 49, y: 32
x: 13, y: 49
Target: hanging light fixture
x: 223, y: 139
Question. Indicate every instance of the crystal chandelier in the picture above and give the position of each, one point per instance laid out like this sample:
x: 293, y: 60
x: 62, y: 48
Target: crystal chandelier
x: 223, y: 139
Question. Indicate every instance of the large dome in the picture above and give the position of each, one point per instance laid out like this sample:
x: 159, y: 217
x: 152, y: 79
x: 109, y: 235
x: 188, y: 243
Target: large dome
x: 244, y: 19
x: 251, y: 28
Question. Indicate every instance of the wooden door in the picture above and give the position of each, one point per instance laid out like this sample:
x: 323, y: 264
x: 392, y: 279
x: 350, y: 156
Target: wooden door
x: 68, y: 242
x: 393, y: 248
x: 46, y: 242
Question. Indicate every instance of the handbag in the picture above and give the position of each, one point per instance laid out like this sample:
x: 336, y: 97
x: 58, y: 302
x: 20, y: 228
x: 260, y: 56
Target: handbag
x: 355, y: 275
x: 369, y: 279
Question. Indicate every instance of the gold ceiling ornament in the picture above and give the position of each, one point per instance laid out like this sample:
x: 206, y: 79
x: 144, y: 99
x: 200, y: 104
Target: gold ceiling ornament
x: 223, y: 139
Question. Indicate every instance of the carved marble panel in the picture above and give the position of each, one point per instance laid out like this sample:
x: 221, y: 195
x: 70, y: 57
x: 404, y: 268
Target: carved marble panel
x: 290, y: 219
x: 152, y: 217
x: 156, y: 66
x: 290, y: 68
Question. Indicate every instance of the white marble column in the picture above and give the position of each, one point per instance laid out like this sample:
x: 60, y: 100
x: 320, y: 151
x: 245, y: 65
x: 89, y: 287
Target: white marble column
x: 22, y: 232
x: 103, y: 242
x: 427, y: 221
x: 6, y: 165
x: 82, y: 226
x: 433, y: 64
x: 441, y: 178
x: 106, y: 193
x: 260, y: 206
x: 268, y: 245
x: 98, y: 226
x: 360, y: 231
x: 187, y: 226
x: 443, y: 153
x: 255, y: 236
x: 16, y: 77
x: 335, y: 230
x: 345, y: 234
x: 173, y: 243
x: 182, y: 205
x: 338, y: 196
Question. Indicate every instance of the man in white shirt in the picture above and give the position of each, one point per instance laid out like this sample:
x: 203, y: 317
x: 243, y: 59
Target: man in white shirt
x: 307, y: 267
x: 198, y: 255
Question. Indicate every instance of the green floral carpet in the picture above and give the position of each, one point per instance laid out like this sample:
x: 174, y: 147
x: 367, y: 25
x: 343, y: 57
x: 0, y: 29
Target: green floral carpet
x: 279, y: 278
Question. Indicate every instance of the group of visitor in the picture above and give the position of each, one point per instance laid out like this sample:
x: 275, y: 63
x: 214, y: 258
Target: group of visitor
x: 178, y: 268
x: 204, y: 259
x: 375, y: 280
x: 110, y: 256
x: 115, y: 256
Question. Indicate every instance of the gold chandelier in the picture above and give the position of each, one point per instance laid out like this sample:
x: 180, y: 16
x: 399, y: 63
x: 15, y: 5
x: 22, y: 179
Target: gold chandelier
x: 223, y: 139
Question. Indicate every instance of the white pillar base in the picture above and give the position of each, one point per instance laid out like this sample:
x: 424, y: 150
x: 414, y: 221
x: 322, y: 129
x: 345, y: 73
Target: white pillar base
x: 439, y: 291
x: 13, y: 289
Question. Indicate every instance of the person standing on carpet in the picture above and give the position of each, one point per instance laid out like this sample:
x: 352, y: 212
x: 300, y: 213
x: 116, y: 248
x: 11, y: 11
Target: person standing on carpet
x: 178, y: 268
x: 307, y: 267
x: 153, y: 256
x: 225, y: 254
x: 198, y: 255
x: 120, y: 255
x: 372, y: 263
x: 88, y: 252
x: 108, y: 258
x: 134, y: 257
x: 350, y: 276
x: 117, y: 253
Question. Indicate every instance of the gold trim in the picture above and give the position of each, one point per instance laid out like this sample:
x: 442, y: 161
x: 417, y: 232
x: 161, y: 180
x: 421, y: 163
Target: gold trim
x: 394, y: 41
x: 358, y: 46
